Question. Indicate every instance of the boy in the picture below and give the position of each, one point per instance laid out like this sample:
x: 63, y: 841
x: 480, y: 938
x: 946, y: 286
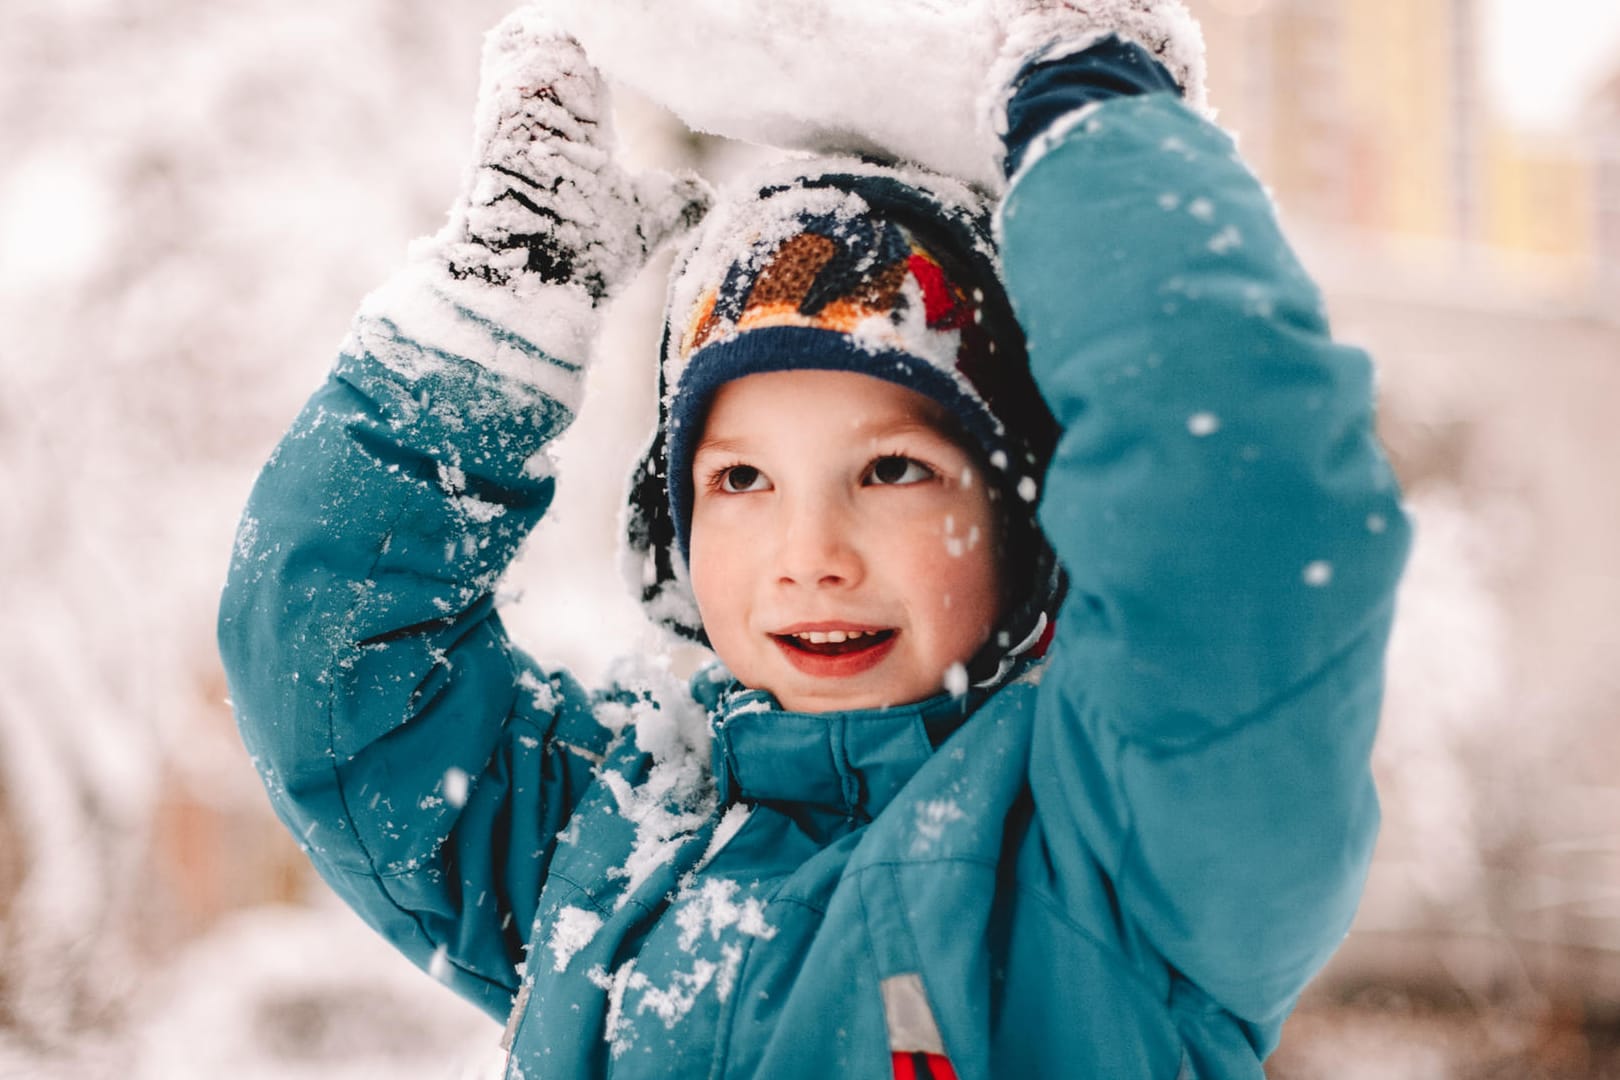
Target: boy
x: 946, y: 826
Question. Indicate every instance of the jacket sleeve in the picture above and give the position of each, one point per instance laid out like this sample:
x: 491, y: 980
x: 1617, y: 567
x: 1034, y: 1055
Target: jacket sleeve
x: 1232, y: 536
x: 425, y: 764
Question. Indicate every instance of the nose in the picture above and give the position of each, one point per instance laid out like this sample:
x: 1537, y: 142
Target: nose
x: 817, y: 545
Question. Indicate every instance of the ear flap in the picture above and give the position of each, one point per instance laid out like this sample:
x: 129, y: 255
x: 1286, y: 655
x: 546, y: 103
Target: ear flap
x: 649, y: 560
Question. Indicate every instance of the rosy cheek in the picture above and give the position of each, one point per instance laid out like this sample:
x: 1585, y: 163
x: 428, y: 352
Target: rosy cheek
x: 706, y: 559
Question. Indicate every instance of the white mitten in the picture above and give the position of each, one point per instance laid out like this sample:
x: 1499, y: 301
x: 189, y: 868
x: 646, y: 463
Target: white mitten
x: 546, y: 198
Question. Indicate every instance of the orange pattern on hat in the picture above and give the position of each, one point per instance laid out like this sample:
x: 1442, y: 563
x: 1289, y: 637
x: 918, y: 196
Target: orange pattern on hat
x: 777, y: 295
x: 792, y: 269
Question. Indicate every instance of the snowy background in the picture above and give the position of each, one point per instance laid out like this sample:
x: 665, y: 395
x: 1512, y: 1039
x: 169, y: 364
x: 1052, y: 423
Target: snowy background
x: 194, y: 197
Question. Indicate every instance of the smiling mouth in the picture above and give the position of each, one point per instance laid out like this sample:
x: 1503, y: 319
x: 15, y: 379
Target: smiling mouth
x: 834, y: 642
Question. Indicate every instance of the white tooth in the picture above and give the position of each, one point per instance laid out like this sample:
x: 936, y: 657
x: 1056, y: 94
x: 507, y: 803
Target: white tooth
x: 817, y: 637
x: 836, y: 637
x: 854, y: 634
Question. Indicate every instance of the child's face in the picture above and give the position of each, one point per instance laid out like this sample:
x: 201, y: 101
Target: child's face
x: 833, y: 505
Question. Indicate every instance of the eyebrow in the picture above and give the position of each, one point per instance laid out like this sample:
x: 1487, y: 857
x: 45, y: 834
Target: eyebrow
x: 904, y: 427
x: 716, y: 446
x: 874, y: 432
x: 916, y: 428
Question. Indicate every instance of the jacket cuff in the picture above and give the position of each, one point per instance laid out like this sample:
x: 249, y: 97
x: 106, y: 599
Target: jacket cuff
x: 536, y: 334
x: 1046, y: 90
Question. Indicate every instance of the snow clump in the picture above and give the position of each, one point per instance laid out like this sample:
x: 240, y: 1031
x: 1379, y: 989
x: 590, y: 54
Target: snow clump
x: 802, y: 74
x: 678, y: 796
x: 572, y: 931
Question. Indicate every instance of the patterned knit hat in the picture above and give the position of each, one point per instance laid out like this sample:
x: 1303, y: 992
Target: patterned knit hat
x: 855, y: 267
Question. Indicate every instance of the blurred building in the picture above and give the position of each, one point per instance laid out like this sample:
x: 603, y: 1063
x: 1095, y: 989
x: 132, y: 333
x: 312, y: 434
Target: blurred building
x: 1371, y: 115
x: 1604, y: 118
x: 1480, y: 263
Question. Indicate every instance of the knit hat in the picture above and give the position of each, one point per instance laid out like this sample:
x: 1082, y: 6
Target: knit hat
x: 853, y: 267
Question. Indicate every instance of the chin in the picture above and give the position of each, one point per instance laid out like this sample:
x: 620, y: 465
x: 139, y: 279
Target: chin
x: 850, y: 700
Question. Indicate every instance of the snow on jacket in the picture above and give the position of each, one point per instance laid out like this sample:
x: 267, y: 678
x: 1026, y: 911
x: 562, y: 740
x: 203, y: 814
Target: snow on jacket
x: 1125, y: 863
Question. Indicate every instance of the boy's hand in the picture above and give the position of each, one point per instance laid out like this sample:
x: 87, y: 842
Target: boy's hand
x: 1032, y: 29
x: 546, y: 195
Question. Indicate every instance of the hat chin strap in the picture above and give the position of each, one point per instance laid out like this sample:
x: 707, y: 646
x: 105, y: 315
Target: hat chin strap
x: 1031, y: 648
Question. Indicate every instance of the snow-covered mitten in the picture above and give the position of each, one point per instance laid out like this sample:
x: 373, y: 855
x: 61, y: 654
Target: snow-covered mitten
x: 546, y: 198
x: 1035, y: 31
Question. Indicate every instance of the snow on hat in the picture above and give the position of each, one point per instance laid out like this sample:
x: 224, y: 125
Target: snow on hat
x: 859, y: 267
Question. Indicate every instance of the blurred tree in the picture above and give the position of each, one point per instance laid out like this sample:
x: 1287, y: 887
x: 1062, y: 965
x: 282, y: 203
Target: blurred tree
x: 192, y: 199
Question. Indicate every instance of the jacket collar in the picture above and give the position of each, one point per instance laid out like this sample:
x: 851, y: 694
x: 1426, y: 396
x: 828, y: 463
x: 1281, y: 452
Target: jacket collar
x: 850, y: 763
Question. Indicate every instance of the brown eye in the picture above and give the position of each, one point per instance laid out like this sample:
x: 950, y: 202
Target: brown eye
x: 894, y: 470
x: 741, y: 478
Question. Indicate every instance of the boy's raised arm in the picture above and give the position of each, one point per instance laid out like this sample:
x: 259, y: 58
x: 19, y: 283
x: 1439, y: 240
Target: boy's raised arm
x: 1231, y: 530
x: 394, y: 725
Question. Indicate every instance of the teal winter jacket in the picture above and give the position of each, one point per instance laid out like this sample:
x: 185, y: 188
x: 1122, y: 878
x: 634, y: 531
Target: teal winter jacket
x: 1124, y: 863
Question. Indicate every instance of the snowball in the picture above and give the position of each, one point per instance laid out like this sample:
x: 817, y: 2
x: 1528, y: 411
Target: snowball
x: 802, y: 74
x: 1319, y: 573
x: 1226, y: 241
x: 455, y: 786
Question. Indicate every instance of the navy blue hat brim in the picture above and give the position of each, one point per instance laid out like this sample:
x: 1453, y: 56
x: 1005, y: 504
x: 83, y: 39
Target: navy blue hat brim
x: 804, y: 348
